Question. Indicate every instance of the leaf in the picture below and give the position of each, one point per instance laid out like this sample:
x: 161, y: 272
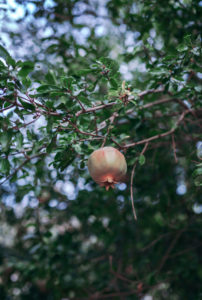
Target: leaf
x: 34, y: 248
x: 160, y: 71
x: 198, y: 181
x: 63, y: 159
x: 198, y: 89
x: 51, y: 145
x: 48, y: 234
x: 30, y: 135
x: 197, y: 172
x: 84, y: 72
x: 19, y: 140
x: 50, y: 77
x: 84, y: 99
x: 5, y: 55
x: 182, y: 48
x: 110, y: 64
x: 27, y: 105
x: 29, y: 236
x: 27, y: 82
x: 187, y: 39
x: 5, y: 139
x: 142, y: 159
x: 4, y: 165
x: 67, y: 81
x: 113, y: 83
x: 82, y: 165
x: 26, y: 68
x: 137, y: 50
x: 47, y: 88
x: 54, y: 94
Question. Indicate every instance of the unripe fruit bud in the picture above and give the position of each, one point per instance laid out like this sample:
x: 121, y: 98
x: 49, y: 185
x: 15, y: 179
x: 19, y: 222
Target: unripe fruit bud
x: 107, y: 166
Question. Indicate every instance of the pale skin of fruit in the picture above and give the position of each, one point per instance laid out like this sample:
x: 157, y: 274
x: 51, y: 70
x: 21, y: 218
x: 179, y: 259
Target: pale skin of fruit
x: 107, y: 166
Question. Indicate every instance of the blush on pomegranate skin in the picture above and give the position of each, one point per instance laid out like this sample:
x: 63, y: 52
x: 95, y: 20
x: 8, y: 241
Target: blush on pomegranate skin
x: 107, y: 166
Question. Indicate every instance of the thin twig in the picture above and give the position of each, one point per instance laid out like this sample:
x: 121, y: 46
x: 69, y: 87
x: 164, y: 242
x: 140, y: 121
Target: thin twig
x: 105, y: 138
x: 170, y: 248
x: 95, y: 121
x: 174, y: 148
x: 155, y: 241
x: 184, y: 251
x: 131, y: 181
x: 6, y: 108
x: 108, y: 129
x: 80, y: 131
x: 117, y: 274
x: 26, y: 124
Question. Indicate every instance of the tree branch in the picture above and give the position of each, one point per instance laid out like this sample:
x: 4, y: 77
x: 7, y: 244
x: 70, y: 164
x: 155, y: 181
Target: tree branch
x: 89, y: 110
x: 152, y: 138
x: 103, y: 124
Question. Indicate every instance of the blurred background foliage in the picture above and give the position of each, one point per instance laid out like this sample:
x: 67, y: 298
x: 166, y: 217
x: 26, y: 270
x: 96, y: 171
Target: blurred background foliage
x: 72, y: 75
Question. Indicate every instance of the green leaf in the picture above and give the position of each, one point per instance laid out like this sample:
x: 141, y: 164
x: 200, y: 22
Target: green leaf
x: 182, y: 48
x: 187, y: 40
x: 5, y: 139
x: 19, y: 140
x: 198, y: 89
x: 30, y: 135
x: 5, y: 55
x: 84, y: 99
x: 142, y: 159
x: 197, y: 172
x: 54, y: 94
x: 26, y: 68
x: 110, y: 64
x: 51, y: 145
x: 67, y: 81
x: 50, y: 104
x: 47, y: 88
x: 113, y: 83
x: 137, y: 50
x: 4, y: 165
x: 160, y: 71
x: 198, y: 181
x: 27, y: 82
x: 63, y: 159
x: 50, y: 77
x: 27, y: 105
x: 47, y: 234
x: 83, y: 72
x: 82, y: 165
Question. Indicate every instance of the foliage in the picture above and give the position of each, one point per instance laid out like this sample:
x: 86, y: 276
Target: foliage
x: 136, y: 87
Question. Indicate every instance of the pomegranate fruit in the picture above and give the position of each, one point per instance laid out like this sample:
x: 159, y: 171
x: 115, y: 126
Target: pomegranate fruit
x: 107, y: 166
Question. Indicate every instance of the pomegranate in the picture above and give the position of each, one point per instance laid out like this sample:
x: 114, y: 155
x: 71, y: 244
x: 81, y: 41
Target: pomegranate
x: 107, y: 166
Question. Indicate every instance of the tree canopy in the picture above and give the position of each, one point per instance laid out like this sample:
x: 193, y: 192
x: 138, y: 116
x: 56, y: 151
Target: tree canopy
x: 76, y: 76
